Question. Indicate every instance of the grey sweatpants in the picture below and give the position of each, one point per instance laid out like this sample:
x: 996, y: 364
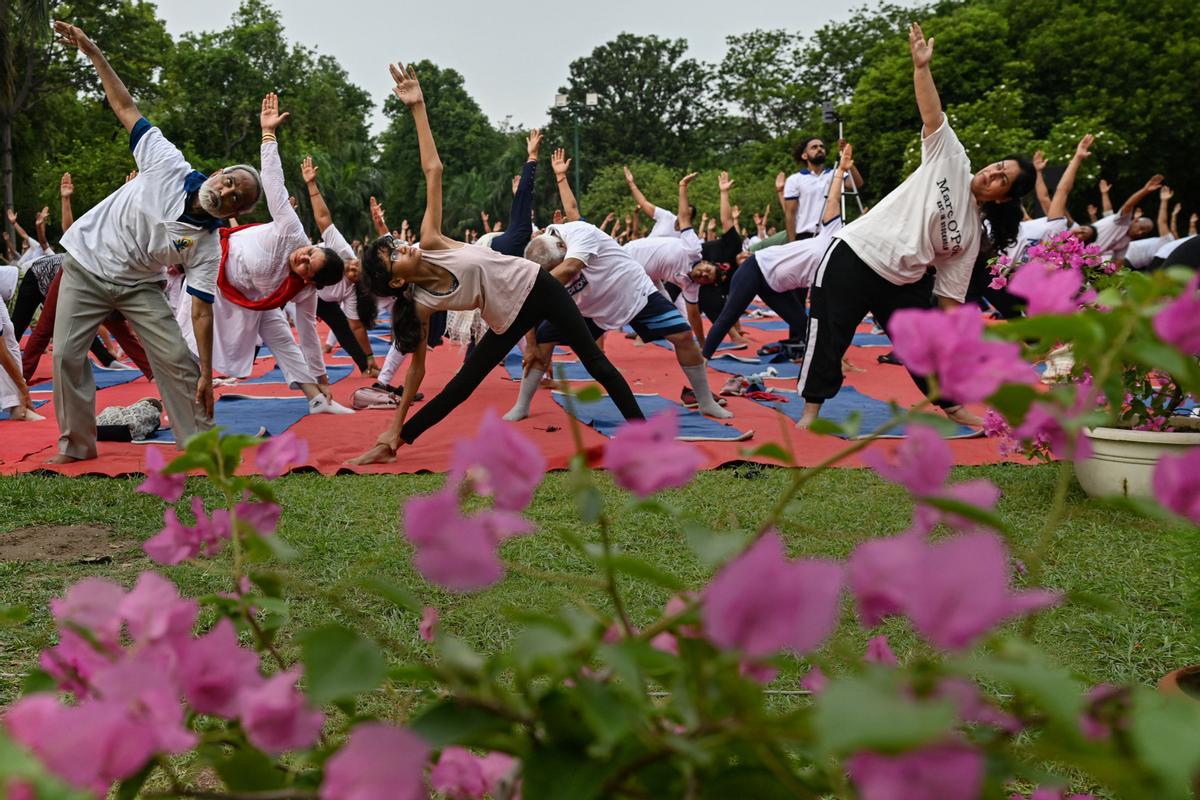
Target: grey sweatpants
x: 84, y: 300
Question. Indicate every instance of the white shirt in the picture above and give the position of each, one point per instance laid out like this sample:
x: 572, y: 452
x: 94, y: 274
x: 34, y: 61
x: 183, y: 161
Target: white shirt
x: 794, y: 265
x: 1112, y: 234
x: 1031, y: 232
x: 931, y: 219
x: 341, y: 292
x: 809, y: 189
x: 1141, y: 252
x: 129, y: 236
x: 664, y: 223
x: 31, y: 254
x: 670, y: 260
x: 612, y: 287
x: 1169, y: 247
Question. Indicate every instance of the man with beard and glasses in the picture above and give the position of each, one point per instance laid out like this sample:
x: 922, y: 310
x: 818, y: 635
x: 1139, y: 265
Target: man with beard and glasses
x: 116, y: 255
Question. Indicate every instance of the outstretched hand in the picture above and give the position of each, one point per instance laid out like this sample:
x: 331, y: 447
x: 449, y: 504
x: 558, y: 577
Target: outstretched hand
x: 271, y: 118
x: 628, y: 174
x: 12, y: 216
x: 132, y: 174
x: 1104, y: 186
x: 532, y: 142
x: 1165, y: 193
x: 724, y: 182
x: 1154, y: 183
x: 66, y: 187
x: 920, y: 47
x: 407, y: 87
x: 44, y: 214
x: 846, y: 161
x: 560, y: 163
x: 308, y: 170
x: 73, y: 36
x: 780, y: 182
x: 686, y: 179
x: 1084, y: 148
x: 1039, y: 160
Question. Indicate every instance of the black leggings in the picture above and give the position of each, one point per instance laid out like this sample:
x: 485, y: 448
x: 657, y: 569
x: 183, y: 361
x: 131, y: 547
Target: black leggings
x: 335, y: 318
x: 747, y: 282
x: 547, y: 300
x: 29, y: 299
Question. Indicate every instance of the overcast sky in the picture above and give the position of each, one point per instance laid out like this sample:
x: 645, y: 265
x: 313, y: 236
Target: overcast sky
x: 513, y: 55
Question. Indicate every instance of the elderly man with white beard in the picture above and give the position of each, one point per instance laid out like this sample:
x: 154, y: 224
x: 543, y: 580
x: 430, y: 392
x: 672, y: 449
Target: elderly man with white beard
x: 116, y: 254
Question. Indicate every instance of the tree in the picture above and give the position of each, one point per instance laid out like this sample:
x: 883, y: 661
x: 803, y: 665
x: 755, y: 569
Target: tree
x: 23, y: 26
x: 760, y: 74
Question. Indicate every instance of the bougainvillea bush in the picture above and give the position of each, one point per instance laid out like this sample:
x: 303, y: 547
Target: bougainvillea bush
x: 590, y: 703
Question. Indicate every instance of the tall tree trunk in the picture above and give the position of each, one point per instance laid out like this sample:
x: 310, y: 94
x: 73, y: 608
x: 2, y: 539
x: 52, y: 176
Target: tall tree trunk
x: 6, y: 143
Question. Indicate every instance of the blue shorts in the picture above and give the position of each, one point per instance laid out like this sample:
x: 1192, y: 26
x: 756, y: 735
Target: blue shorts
x: 658, y: 319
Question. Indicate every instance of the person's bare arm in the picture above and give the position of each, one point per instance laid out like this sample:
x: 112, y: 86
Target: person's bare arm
x: 567, y: 271
x: 1193, y: 223
x: 724, y: 184
x: 607, y: 221
x: 1151, y: 186
x: 202, y: 327
x: 684, y: 217
x: 760, y: 226
x: 928, y: 101
x: 1164, y: 202
x: 1062, y: 193
x: 119, y: 99
x: 377, y: 218
x: 13, y: 370
x: 561, y: 164
x: 39, y: 224
x: 308, y: 171
x: 1175, y: 219
x: 12, y: 220
x: 833, y: 203
x: 1043, y: 193
x: 385, y: 447
x: 642, y: 203
x: 695, y: 320
x: 364, y: 341
x: 855, y: 176
x: 1106, y: 207
x: 408, y: 89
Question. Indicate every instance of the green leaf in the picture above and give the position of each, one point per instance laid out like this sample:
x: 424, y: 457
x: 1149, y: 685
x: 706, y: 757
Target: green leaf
x: 1166, y: 735
x: 249, y: 770
x: 1013, y: 400
x: 37, y: 680
x: 270, y: 583
x: 770, y: 450
x: 412, y: 673
x: 393, y: 593
x: 714, y: 548
x: 827, y: 427
x: 458, y: 655
x: 607, y: 712
x: 128, y: 789
x: 588, y: 394
x: 541, y: 645
x: 859, y: 713
x: 262, y: 490
x: 647, y: 572
x: 561, y: 773
x: 971, y: 512
x: 339, y: 664
x: 1025, y: 670
x: 589, y: 502
x: 450, y: 721
x: 12, y: 616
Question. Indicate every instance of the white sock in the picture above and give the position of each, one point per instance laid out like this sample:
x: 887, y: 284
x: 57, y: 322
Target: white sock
x: 697, y: 375
x: 529, y: 387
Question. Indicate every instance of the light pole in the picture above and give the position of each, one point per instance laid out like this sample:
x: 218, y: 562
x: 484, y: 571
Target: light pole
x: 562, y: 101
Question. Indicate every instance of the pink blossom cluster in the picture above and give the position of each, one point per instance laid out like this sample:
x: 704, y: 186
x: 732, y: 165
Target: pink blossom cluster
x: 1177, y: 484
x: 644, y: 456
x: 1064, y: 251
x: 1178, y: 322
x: 131, y: 660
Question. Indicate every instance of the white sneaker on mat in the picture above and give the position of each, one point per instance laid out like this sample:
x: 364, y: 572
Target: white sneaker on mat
x: 323, y: 405
x: 119, y: 365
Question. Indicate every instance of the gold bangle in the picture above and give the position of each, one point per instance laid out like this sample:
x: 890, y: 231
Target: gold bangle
x: 269, y: 136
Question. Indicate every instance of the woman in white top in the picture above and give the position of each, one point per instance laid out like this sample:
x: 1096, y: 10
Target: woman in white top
x: 512, y: 294
x: 879, y: 262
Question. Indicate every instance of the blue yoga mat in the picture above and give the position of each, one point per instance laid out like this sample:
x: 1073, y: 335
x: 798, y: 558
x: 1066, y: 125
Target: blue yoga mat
x: 604, y: 417
x: 36, y: 405
x: 874, y: 412
x: 767, y: 324
x: 724, y: 346
x: 335, y: 373
x: 103, y: 376
x: 571, y: 370
x: 730, y: 366
x: 248, y: 415
x: 872, y: 340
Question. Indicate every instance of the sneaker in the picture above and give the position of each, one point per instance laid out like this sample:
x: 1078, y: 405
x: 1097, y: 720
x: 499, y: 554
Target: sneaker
x: 889, y: 358
x: 688, y: 398
x: 323, y: 405
x: 770, y: 349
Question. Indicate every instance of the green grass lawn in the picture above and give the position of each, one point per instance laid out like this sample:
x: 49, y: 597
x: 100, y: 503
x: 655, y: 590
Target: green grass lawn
x: 345, y: 528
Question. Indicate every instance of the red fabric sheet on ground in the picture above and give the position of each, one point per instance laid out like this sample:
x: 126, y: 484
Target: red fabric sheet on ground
x: 26, y: 446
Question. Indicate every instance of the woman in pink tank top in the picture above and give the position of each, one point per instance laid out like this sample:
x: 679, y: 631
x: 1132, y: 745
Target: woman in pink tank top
x: 512, y: 294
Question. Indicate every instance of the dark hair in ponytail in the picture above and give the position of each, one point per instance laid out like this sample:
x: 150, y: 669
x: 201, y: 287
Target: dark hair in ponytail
x: 406, y: 325
x: 1004, y: 217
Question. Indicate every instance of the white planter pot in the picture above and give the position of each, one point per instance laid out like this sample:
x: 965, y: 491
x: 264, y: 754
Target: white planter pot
x: 1122, y: 461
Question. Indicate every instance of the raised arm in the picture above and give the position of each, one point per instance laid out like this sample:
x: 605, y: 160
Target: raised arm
x: 1193, y: 223
x: 1043, y: 193
x: 1058, y: 206
x: 1164, y: 202
x: 377, y: 218
x: 684, y: 217
x: 1152, y: 185
x: 12, y: 220
x: 408, y: 89
x: 644, y: 204
x: 274, y: 187
x: 39, y: 224
x: 833, y: 203
x: 118, y: 96
x: 1105, y: 198
x: 560, y: 164
x: 1175, y: 219
x: 308, y: 171
x: 724, y: 184
x: 928, y: 101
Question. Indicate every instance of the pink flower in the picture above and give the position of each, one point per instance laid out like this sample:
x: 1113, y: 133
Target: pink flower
x: 457, y: 552
x: 1178, y: 322
x: 1177, y: 484
x: 153, y: 611
x: 941, y: 772
x: 814, y: 681
x: 762, y: 671
x: 214, y: 670
x: 458, y: 775
x: 1042, y: 428
x: 878, y: 652
x: 168, y: 487
x: 971, y: 706
x: 73, y: 662
x: 881, y: 574
x: 378, y: 762
x: 1046, y: 793
x: 147, y: 694
x: 950, y: 345
x: 761, y: 603
x: 1049, y: 289
x: 14, y: 789
x: 211, y: 532
x: 961, y: 591
x: 1108, y: 709
x: 981, y: 493
x: 262, y: 517
x: 277, y: 717
x: 429, y: 623
x: 93, y: 604
x: 666, y: 643
x: 278, y: 453
x: 998, y: 282
x: 995, y: 426
x: 496, y: 768
x: 500, y: 462
x: 175, y: 543
x: 644, y: 456
x: 922, y: 461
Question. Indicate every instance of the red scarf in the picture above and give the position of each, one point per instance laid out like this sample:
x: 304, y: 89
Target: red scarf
x: 292, y: 285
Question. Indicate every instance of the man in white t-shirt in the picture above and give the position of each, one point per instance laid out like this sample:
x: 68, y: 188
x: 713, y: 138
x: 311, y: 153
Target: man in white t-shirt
x: 612, y: 290
x: 116, y: 254
x: 677, y: 261
x: 805, y: 191
x: 1141, y: 251
x: 1113, y: 234
x: 665, y: 223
